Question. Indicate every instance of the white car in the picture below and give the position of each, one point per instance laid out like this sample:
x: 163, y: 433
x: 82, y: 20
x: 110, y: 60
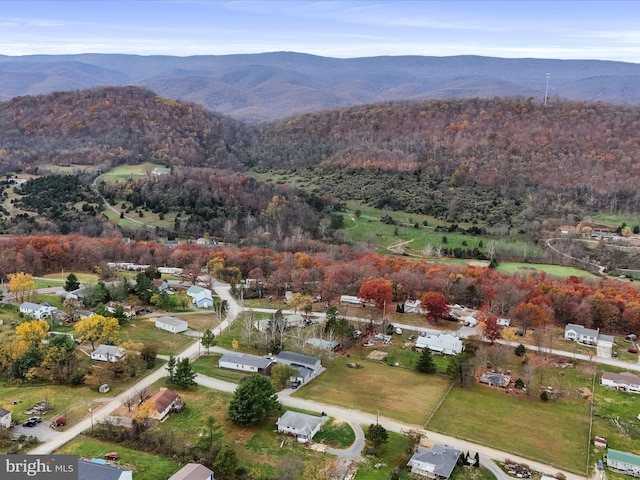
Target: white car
x: 398, y: 331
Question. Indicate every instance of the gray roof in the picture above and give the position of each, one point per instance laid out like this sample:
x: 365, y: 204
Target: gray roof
x: 94, y: 471
x: 244, y: 359
x: 442, y: 457
x: 605, y: 338
x: 111, y: 350
x: 298, y: 358
x: 302, y: 423
x: 580, y: 330
x: 3, y: 412
x: 31, y: 305
x: 624, y: 377
x: 192, y: 471
x: 173, y: 321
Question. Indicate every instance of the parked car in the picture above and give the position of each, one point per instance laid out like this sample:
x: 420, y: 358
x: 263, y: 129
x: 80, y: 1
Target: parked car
x: 295, y: 384
x: 112, y: 456
x: 630, y: 338
x: 35, y: 419
x: 614, y: 354
x: 398, y: 331
x: 29, y: 423
x: 600, y: 465
x: 633, y: 350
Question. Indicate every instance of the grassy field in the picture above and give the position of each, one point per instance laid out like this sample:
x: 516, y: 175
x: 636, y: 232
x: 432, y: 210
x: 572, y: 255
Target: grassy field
x: 144, y: 330
x: 208, y: 365
x: 83, y: 277
x: 522, y: 425
x: 512, y: 268
x: 122, y: 173
x: 420, y: 393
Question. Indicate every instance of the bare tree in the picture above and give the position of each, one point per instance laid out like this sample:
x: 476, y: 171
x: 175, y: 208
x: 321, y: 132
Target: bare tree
x: 129, y: 401
x: 141, y: 394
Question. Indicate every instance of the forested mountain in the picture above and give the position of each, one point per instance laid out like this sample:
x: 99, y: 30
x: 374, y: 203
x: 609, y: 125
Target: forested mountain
x: 496, y: 163
x: 465, y: 160
x: 281, y: 84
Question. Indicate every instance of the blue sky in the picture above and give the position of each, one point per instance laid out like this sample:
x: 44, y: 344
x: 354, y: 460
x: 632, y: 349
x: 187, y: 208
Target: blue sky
x: 605, y: 30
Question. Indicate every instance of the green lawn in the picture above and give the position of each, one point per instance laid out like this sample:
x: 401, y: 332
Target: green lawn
x: 208, y: 365
x: 122, y: 173
x: 398, y: 393
x: 144, y: 465
x: 144, y: 330
x: 555, y: 433
x: 512, y: 268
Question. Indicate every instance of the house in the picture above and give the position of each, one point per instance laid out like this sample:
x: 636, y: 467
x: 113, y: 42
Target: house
x: 293, y: 320
x: 625, y: 381
x: 170, y: 270
x: 37, y: 311
x: 165, y: 401
x: 5, y: 418
x: 89, y: 470
x: 246, y: 363
x: 444, y: 343
x: 308, y: 367
x: 162, y: 285
x: 108, y: 353
x: 353, y: 300
x: 413, y: 306
x: 171, y: 324
x: 193, y: 471
x: 623, y: 462
x: 128, y: 310
x: 435, y: 462
x: 329, y: 345
x: 300, y: 425
x: 503, y: 322
x: 200, y: 296
x: 580, y: 334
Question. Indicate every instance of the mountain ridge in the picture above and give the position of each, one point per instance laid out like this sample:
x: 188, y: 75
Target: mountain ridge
x: 274, y: 85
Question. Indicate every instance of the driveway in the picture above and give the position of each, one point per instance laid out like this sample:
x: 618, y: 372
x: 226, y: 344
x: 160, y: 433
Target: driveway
x: 354, y: 452
x: 42, y: 431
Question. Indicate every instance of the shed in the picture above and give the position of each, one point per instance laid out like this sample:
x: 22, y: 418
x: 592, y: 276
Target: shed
x: 171, y: 324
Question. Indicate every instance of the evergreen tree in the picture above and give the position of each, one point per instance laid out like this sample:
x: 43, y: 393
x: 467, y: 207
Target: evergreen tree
x: 72, y: 283
x: 184, y: 375
x: 253, y: 400
x: 171, y: 369
x: 426, y: 364
x: 520, y: 350
x: 376, y: 435
x: 208, y: 339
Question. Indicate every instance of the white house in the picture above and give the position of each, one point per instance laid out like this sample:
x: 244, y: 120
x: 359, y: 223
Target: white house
x: 625, y: 381
x: 37, y: 311
x: 300, y: 425
x: 580, y: 334
x: 353, y: 300
x: 200, y: 296
x: 246, y: 363
x: 193, y: 471
x: 170, y: 270
x: 108, y: 353
x: 436, y: 462
x: 504, y: 322
x: 88, y: 470
x: 413, y: 306
x: 444, y: 343
x: 5, y: 418
x: 171, y: 324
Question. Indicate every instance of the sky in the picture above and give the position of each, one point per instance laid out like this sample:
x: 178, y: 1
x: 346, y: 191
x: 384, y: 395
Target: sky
x: 601, y: 30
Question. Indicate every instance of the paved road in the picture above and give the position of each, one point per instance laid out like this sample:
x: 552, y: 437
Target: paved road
x: 350, y: 415
x: 102, y: 412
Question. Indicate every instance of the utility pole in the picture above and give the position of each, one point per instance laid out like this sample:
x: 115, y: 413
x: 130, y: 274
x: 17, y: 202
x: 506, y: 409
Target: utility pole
x: 546, y: 90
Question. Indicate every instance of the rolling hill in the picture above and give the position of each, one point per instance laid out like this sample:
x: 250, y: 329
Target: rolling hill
x: 260, y: 87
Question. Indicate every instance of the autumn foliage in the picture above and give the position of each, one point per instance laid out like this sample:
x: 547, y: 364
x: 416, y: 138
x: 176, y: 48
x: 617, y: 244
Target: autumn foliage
x: 377, y: 291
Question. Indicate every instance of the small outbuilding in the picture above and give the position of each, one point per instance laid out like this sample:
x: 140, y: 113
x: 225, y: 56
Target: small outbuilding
x: 171, y: 324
